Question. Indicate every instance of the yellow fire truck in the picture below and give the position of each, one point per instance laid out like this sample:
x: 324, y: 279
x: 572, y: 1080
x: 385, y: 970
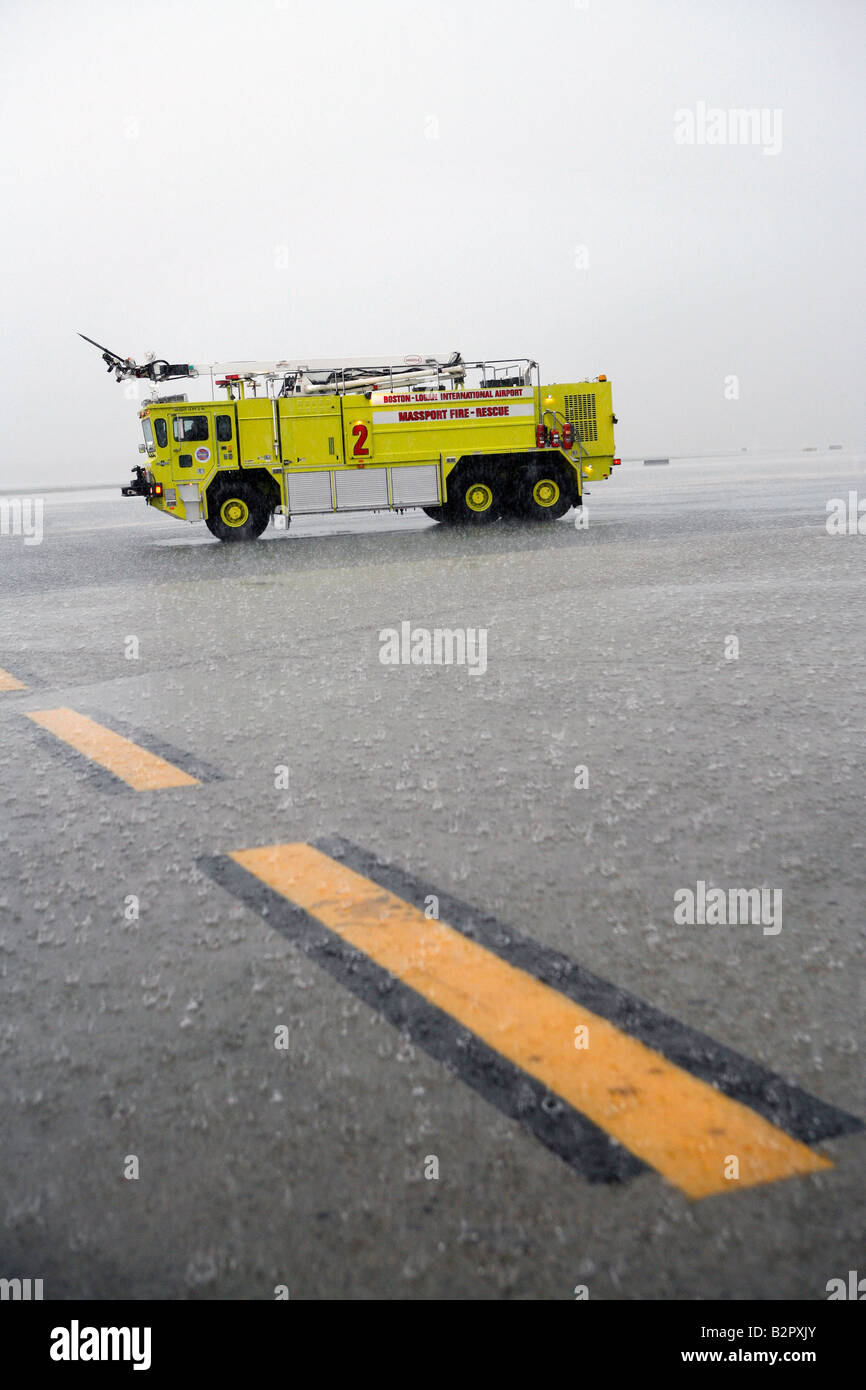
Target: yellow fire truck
x: 468, y: 442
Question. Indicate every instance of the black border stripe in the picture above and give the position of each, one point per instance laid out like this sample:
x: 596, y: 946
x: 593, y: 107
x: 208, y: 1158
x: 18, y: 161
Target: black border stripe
x: 91, y: 774
x: 103, y: 776
x: 187, y: 762
x: 801, y: 1115
x: 561, y: 1128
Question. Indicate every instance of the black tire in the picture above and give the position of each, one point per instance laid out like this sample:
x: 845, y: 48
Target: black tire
x: 237, y: 511
x: 543, y: 491
x: 476, y: 493
x: 435, y: 513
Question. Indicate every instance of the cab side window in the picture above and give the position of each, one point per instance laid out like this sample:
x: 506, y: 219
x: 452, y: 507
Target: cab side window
x: 223, y: 428
x: 159, y: 429
x: 190, y: 429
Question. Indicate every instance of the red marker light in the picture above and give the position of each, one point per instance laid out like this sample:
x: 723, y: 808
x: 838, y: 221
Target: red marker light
x: 617, y: 461
x: 157, y: 489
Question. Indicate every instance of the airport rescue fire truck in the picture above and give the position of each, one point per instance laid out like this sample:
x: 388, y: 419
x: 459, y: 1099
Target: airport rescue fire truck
x: 468, y: 442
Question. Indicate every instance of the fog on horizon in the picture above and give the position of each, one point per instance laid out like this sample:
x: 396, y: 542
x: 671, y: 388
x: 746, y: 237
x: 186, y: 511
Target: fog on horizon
x: 569, y: 181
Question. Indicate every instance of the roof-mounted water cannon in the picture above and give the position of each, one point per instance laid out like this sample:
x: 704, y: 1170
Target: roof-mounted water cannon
x: 155, y: 369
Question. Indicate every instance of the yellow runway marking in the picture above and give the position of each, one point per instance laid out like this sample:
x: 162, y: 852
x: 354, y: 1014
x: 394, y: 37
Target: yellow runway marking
x: 142, y: 770
x: 8, y: 682
x: 681, y: 1126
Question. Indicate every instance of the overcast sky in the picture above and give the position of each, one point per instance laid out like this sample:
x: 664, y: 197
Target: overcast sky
x: 282, y: 178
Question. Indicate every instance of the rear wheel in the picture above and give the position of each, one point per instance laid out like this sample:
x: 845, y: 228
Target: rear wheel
x: 476, y: 494
x: 237, y: 511
x: 543, y: 492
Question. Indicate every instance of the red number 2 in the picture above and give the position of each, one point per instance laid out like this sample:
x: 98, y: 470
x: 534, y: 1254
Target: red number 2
x: 360, y: 433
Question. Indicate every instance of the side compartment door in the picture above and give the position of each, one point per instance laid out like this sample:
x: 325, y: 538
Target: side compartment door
x: 310, y: 433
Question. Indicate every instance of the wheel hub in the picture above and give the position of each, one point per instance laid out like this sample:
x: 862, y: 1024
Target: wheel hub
x: 545, y: 493
x: 234, y: 511
x: 479, y: 497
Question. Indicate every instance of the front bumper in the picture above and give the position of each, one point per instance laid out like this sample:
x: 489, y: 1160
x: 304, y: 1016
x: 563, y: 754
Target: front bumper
x: 142, y: 485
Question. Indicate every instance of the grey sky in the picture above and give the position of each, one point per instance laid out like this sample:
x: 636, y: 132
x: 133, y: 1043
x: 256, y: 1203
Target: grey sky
x: 497, y: 177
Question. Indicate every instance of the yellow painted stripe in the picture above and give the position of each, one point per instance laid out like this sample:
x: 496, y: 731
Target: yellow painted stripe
x: 8, y: 682
x: 676, y: 1123
x: 142, y: 770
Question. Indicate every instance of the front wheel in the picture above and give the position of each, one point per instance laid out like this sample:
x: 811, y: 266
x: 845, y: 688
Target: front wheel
x: 237, y: 512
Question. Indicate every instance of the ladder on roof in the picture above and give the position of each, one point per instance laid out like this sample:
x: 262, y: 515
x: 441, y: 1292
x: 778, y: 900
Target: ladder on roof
x: 340, y: 376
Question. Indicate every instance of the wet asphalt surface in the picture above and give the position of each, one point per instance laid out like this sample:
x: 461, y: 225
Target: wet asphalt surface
x: 606, y: 648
